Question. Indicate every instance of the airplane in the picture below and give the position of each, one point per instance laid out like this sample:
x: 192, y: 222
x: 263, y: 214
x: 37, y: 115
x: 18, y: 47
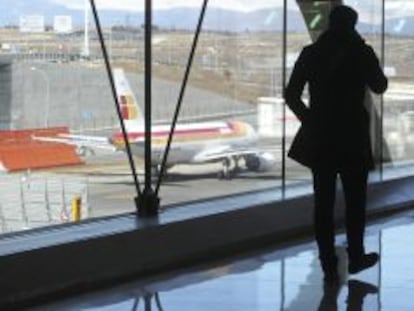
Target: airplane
x: 227, y: 142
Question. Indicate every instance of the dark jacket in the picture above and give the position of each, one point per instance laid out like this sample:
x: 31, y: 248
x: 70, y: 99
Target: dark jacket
x: 338, y: 68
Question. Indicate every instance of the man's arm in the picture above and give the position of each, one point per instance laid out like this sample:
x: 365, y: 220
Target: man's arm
x: 376, y: 79
x: 294, y: 89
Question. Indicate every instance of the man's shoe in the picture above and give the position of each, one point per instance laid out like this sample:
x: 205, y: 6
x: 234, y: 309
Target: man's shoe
x: 357, y: 290
x: 361, y: 263
x: 361, y: 288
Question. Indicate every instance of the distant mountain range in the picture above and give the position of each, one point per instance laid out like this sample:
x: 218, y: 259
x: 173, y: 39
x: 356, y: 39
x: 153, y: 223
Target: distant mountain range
x: 186, y: 18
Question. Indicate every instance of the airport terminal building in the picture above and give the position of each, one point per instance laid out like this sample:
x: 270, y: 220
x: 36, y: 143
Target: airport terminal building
x: 164, y: 181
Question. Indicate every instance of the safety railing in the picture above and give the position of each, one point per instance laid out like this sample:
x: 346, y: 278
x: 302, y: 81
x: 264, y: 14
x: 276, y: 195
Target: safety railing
x: 29, y: 201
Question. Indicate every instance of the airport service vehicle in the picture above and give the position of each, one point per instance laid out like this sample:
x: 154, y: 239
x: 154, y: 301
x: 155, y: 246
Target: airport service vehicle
x: 227, y: 142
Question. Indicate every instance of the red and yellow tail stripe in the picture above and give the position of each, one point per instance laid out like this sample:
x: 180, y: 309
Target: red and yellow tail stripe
x: 129, y: 109
x: 224, y: 130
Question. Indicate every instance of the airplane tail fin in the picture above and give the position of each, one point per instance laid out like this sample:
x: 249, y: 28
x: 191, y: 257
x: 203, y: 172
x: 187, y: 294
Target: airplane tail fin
x: 130, y: 110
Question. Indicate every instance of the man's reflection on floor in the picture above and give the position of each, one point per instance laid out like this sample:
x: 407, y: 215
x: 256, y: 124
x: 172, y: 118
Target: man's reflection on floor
x: 147, y: 302
x: 357, y: 290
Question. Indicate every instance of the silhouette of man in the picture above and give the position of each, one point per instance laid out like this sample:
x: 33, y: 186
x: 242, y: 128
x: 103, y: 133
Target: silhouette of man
x: 357, y: 290
x: 338, y: 69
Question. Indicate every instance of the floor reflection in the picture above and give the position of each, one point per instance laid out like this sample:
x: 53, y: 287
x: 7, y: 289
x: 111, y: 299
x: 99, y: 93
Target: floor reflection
x: 285, y: 280
x: 357, y: 290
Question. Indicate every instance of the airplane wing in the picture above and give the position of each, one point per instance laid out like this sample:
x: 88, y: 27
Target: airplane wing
x: 80, y: 141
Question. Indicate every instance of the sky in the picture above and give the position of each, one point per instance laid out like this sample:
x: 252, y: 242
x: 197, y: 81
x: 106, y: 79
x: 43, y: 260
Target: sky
x: 365, y: 7
x: 138, y: 5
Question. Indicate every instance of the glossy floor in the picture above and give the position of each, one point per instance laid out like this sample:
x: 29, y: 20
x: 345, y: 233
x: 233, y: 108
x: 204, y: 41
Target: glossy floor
x: 285, y: 279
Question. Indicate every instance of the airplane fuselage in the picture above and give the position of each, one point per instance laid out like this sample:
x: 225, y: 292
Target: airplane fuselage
x: 192, y: 142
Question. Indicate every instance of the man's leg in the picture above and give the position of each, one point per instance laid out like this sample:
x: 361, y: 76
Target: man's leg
x: 324, y: 183
x: 354, y: 183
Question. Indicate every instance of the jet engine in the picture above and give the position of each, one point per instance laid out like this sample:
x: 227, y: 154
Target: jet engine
x: 259, y: 162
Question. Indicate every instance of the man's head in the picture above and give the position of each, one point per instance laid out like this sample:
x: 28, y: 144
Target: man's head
x: 343, y: 18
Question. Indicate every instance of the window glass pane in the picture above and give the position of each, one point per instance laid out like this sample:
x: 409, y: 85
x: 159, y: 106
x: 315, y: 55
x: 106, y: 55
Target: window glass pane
x: 399, y: 99
x: 56, y: 95
x: 370, y: 27
x: 54, y: 84
x: 315, y: 17
x: 305, y: 22
x: 228, y: 137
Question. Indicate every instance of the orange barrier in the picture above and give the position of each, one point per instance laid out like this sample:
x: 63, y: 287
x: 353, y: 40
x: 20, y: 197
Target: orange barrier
x: 19, y: 151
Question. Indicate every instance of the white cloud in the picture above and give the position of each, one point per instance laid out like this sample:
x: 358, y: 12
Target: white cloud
x: 370, y: 11
x: 399, y: 8
x: 138, y: 5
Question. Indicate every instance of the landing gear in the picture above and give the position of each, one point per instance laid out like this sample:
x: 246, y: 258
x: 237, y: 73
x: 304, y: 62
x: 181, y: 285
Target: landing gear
x: 83, y: 151
x: 156, y: 171
x: 236, y: 168
x: 227, y: 171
